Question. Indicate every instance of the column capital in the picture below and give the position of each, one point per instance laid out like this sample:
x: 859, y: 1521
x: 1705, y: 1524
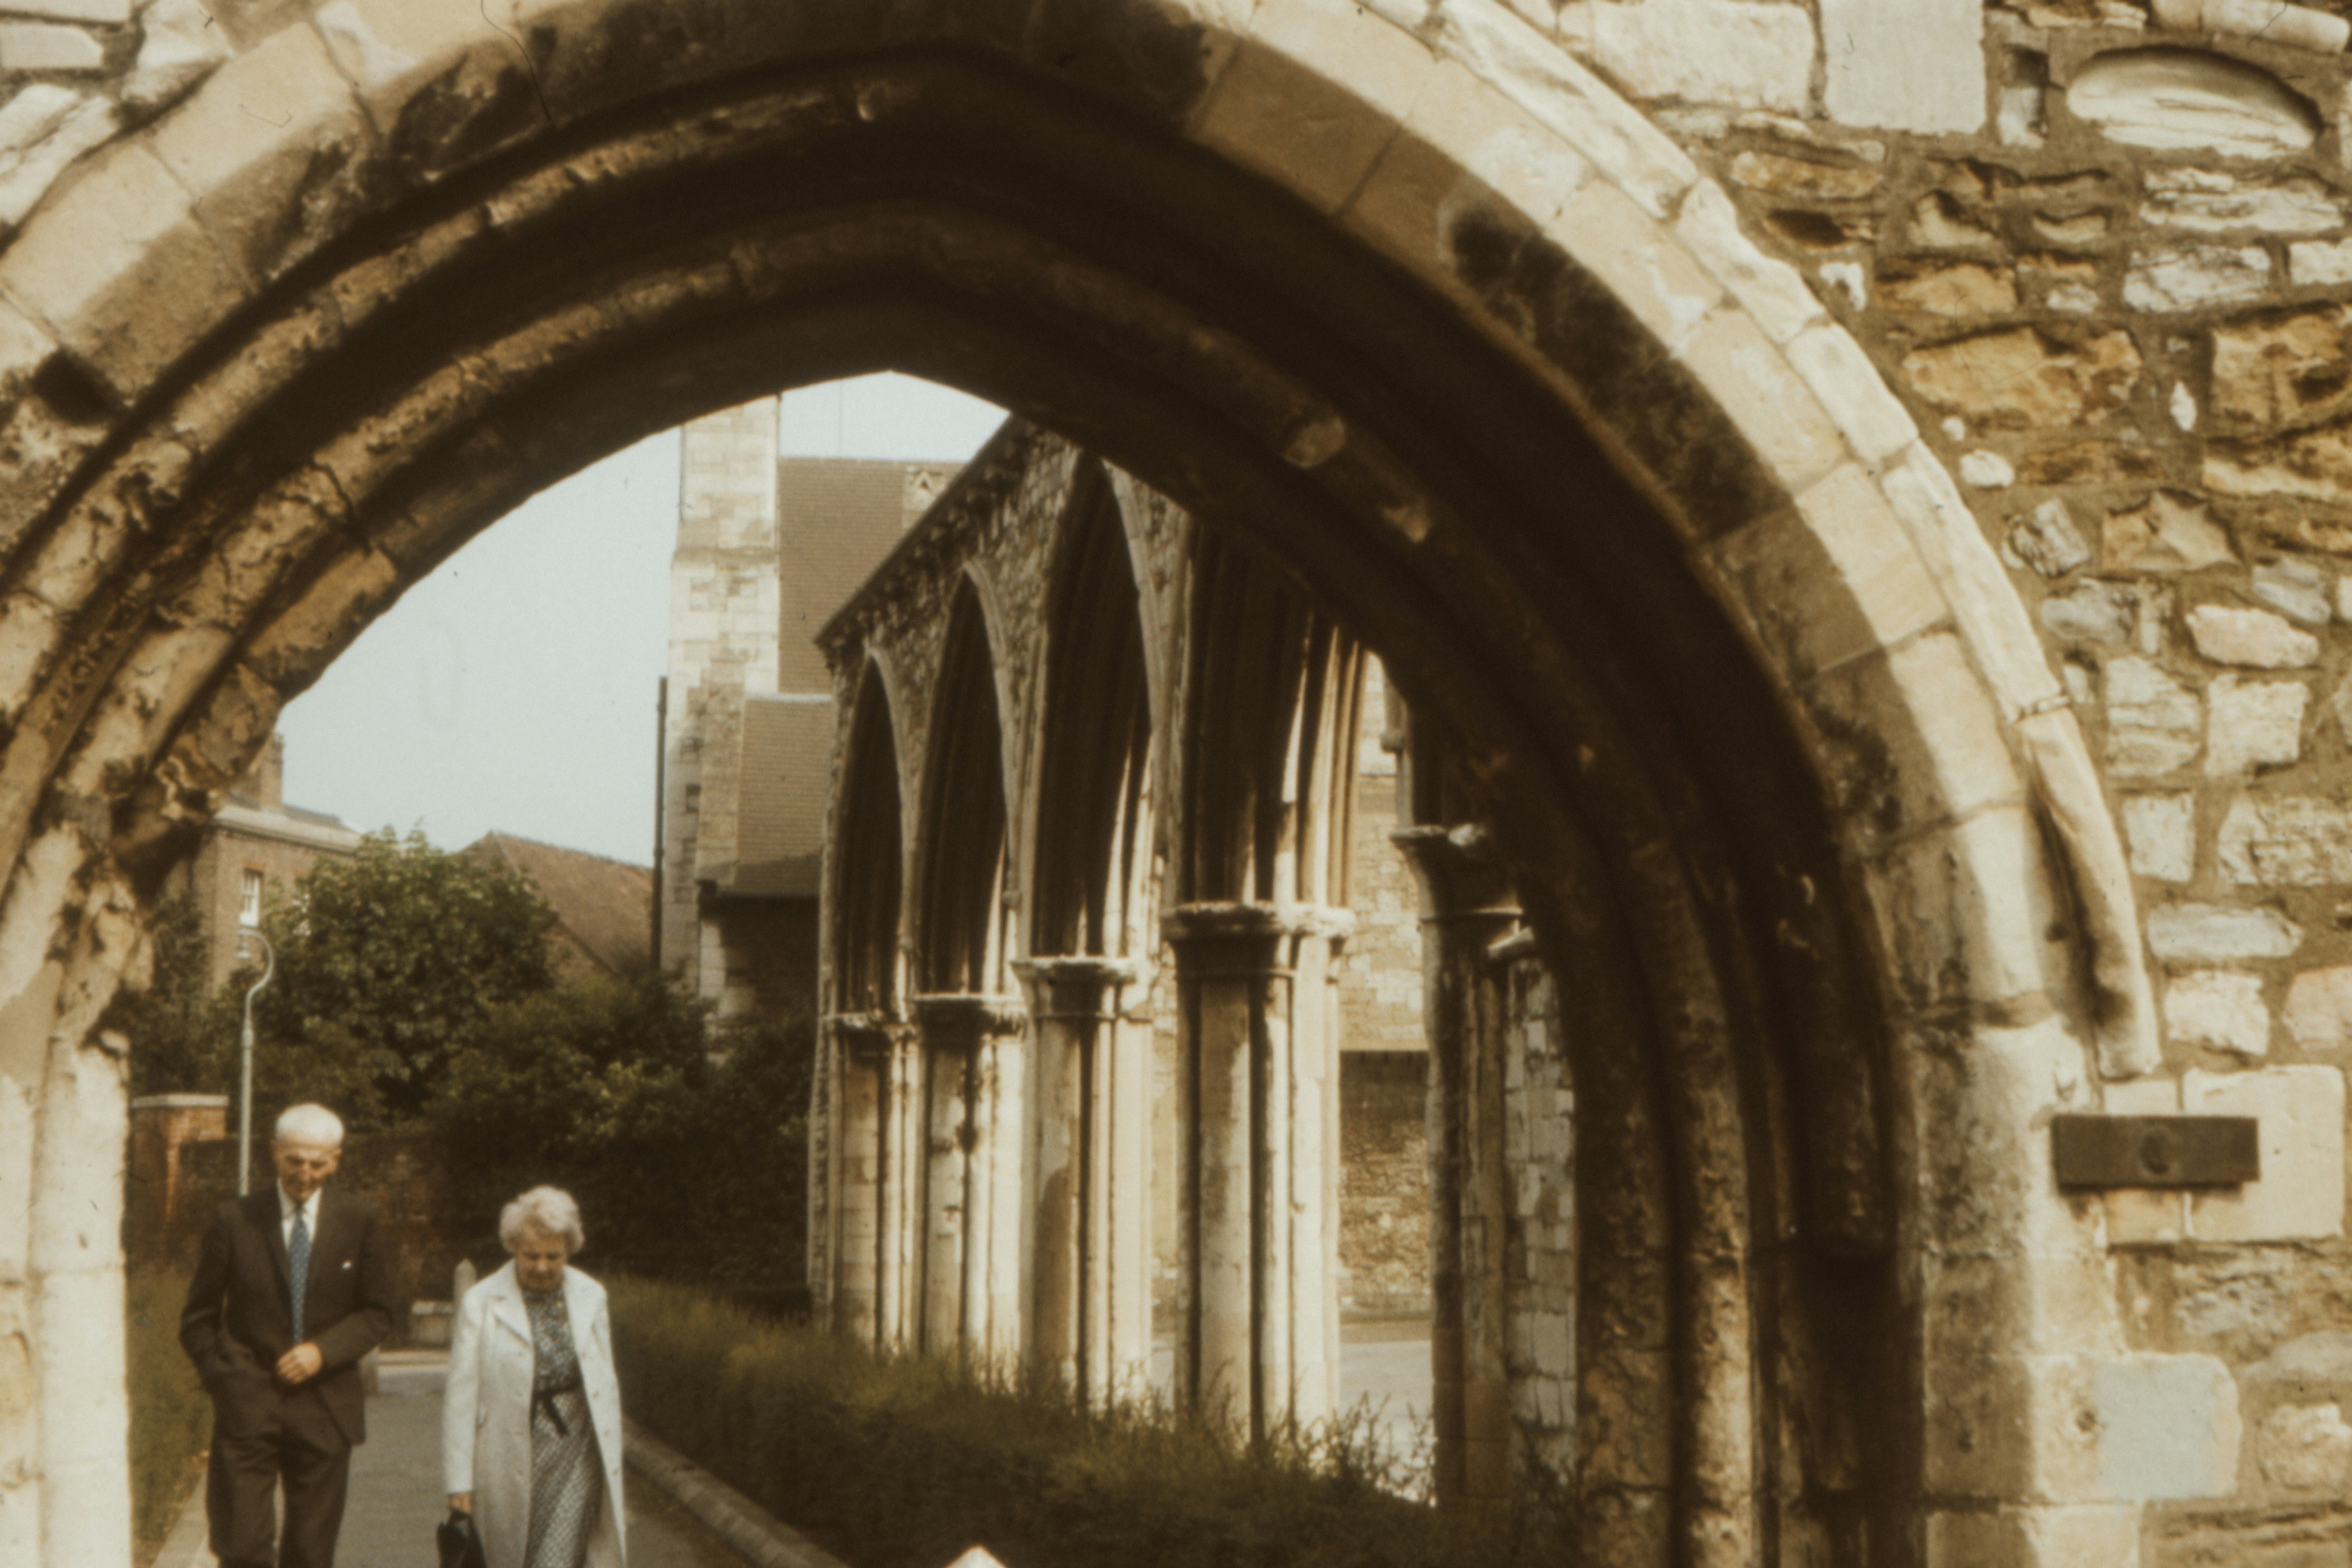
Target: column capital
x: 1074, y: 986
x: 869, y: 1031
x: 960, y: 1019
x: 1230, y: 921
x: 1460, y: 872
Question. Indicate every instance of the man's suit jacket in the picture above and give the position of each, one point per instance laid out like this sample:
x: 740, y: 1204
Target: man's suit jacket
x: 240, y: 1318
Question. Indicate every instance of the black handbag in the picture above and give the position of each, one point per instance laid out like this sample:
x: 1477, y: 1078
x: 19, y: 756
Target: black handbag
x: 460, y: 1542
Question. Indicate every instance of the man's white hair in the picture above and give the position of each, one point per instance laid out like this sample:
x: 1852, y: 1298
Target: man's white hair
x: 312, y: 1124
x: 546, y: 1210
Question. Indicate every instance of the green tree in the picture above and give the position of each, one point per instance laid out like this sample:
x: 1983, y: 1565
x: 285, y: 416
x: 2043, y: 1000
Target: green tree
x: 685, y: 1144
x: 387, y: 965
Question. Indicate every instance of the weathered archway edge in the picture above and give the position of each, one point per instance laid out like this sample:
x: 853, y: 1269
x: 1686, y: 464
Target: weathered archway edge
x: 1897, y: 586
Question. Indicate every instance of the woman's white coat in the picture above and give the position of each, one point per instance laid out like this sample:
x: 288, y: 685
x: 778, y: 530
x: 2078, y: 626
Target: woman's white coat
x: 485, y: 1413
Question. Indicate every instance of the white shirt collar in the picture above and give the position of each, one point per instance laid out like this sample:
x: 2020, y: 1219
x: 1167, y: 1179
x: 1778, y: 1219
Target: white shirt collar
x: 309, y: 1206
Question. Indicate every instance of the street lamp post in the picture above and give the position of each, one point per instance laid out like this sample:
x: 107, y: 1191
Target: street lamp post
x: 244, y: 1067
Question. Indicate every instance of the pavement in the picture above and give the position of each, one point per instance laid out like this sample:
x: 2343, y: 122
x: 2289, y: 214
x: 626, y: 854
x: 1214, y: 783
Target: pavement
x: 397, y: 1498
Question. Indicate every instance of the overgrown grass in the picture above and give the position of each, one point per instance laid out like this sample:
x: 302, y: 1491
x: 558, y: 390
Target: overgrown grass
x: 170, y: 1419
x: 904, y: 1462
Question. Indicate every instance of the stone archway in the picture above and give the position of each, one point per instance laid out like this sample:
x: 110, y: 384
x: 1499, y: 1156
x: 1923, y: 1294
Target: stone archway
x: 1487, y: 364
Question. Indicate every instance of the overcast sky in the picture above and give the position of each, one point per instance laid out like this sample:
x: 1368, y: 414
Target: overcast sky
x: 514, y: 688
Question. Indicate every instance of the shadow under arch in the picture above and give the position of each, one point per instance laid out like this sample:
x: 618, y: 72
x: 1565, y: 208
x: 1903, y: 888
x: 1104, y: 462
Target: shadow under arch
x: 960, y: 218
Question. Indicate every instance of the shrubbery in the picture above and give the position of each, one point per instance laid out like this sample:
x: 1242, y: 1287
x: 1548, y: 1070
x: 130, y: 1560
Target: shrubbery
x: 685, y: 1146
x: 171, y: 1418
x: 904, y: 1462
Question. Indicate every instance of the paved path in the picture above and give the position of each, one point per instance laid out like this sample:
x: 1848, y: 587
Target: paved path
x: 396, y: 1496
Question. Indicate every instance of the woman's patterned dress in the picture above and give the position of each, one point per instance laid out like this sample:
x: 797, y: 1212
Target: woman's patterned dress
x: 566, y: 1479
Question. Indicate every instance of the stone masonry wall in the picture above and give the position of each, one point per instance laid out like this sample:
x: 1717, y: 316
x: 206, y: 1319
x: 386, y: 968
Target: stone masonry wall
x: 2103, y: 251
x: 1540, y: 1257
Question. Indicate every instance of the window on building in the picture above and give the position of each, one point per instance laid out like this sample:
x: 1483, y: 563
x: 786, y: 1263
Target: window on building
x: 249, y: 900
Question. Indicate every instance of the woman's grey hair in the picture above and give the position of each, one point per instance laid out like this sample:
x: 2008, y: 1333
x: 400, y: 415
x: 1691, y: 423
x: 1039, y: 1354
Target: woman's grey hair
x: 312, y: 1124
x: 546, y: 1210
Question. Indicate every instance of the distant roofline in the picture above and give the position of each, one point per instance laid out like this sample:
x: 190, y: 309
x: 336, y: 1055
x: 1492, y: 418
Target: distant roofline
x: 501, y: 834
x: 314, y: 829
x: 972, y: 478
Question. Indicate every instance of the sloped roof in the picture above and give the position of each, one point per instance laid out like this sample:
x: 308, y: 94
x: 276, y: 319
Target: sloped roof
x: 604, y: 909
x: 836, y: 518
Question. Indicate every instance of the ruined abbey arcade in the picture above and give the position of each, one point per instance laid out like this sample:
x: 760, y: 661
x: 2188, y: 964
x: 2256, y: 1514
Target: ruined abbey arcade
x: 1853, y: 499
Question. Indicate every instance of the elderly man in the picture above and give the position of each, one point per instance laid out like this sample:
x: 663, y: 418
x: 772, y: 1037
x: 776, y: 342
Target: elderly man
x: 293, y: 1285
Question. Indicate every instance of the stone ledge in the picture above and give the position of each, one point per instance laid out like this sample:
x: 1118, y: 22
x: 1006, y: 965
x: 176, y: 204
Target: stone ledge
x: 749, y: 1529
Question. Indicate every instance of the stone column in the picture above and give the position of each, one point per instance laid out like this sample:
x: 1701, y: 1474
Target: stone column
x: 1255, y: 1045
x: 969, y: 1138
x: 1466, y: 905
x: 1076, y: 1003
x: 875, y: 1055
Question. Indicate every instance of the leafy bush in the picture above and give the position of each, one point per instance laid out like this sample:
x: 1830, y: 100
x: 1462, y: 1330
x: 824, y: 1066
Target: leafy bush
x: 686, y: 1147
x: 904, y: 1462
x: 171, y: 1418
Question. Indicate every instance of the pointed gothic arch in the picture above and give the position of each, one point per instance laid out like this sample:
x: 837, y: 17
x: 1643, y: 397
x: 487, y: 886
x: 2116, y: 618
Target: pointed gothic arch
x: 1725, y: 650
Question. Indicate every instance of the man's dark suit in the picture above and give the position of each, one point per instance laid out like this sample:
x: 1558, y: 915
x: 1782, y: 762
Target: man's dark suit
x: 238, y: 1322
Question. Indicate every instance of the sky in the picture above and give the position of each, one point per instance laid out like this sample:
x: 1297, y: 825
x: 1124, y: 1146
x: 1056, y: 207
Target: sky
x: 514, y: 688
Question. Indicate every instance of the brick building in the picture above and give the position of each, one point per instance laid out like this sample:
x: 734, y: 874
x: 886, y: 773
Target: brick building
x: 255, y: 844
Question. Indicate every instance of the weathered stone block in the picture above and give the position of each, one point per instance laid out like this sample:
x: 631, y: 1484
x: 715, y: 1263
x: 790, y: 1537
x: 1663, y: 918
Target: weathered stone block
x: 2178, y: 98
x: 2252, y: 723
x: 31, y: 47
x: 2319, y: 263
x: 1966, y: 913
x: 1905, y: 65
x: 1464, y: 147
x: 1936, y: 753
x: 2220, y: 1008
x: 2047, y: 541
x: 100, y: 11
x: 2301, y: 1192
x: 2167, y: 1428
x: 1833, y: 581
x: 2162, y: 832
x: 2254, y: 638
x: 2300, y: 590
x: 1772, y: 405
x: 442, y: 82
x: 2270, y: 371
x: 1968, y: 290
x: 2093, y: 612
x: 1638, y: 259
x: 1701, y: 51
x: 2153, y: 722
x: 2212, y: 202
x: 272, y: 187
x: 1816, y: 179
x: 2219, y: 934
x: 1313, y: 95
x: 1773, y: 291
x: 2287, y: 841
x: 2019, y: 379
x: 2168, y: 533
x: 2306, y: 1447
x: 2160, y: 282
x: 2319, y: 1009
x: 122, y: 272
x: 2311, y: 464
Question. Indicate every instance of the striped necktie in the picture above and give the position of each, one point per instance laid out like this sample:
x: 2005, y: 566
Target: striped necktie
x: 298, y: 1266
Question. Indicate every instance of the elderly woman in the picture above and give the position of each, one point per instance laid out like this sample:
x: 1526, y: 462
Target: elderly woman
x: 531, y: 1422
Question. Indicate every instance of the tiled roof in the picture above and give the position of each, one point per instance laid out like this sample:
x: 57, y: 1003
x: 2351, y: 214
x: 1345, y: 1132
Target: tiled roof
x: 780, y: 828
x: 604, y: 909
x: 836, y: 518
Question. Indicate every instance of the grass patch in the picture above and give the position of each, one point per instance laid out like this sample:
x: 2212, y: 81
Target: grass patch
x: 904, y: 1462
x: 171, y: 1418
